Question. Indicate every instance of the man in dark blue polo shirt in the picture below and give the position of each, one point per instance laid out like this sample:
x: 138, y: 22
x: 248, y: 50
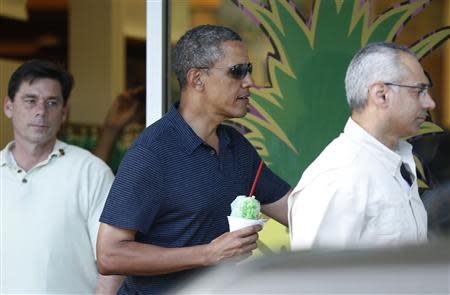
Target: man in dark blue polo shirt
x: 166, y: 213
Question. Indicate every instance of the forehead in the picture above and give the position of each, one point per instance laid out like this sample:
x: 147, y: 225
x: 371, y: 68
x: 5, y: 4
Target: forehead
x: 413, y: 69
x: 40, y: 86
x: 234, y: 52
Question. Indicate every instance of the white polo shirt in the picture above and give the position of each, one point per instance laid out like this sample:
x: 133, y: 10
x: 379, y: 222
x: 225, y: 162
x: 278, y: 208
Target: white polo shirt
x: 49, y: 221
x: 353, y: 195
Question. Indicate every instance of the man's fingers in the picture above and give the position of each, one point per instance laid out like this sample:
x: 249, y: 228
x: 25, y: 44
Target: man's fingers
x: 249, y: 239
x: 249, y: 248
x: 237, y: 243
x: 137, y: 90
x: 249, y: 230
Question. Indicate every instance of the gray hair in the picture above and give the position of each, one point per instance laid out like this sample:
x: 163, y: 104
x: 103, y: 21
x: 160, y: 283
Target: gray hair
x: 377, y: 62
x: 200, y: 47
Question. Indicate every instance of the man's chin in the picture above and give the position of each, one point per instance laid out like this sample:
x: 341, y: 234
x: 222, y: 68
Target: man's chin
x: 40, y: 138
x: 242, y: 114
x: 413, y: 132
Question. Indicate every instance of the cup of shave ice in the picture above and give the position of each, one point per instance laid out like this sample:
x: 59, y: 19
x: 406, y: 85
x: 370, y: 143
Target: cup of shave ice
x: 245, y: 211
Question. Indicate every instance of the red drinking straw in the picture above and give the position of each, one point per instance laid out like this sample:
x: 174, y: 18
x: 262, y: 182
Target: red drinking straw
x: 256, y: 178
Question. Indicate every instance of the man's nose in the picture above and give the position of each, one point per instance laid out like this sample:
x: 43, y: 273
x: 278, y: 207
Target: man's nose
x: 41, y: 108
x: 429, y: 103
x: 248, y: 81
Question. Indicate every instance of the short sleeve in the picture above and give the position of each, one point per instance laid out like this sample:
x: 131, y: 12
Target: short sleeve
x: 135, y: 195
x: 101, y: 180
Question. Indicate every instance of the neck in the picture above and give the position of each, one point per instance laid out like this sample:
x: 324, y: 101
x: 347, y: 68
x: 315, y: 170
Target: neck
x: 201, y: 120
x: 379, y: 131
x: 28, y: 155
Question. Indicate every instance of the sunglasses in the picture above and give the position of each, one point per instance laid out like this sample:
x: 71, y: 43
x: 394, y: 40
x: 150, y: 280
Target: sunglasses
x: 238, y: 71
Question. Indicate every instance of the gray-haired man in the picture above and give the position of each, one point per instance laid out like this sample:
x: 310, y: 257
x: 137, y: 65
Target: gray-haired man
x: 362, y: 191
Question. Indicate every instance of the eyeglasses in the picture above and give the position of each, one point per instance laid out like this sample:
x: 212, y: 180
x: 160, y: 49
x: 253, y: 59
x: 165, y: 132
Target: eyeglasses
x: 238, y: 71
x: 422, y: 89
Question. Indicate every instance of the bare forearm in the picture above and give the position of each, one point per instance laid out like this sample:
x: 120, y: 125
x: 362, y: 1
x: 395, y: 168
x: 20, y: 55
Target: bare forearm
x: 108, y: 284
x: 106, y: 141
x: 119, y: 254
x: 278, y: 210
x: 133, y: 258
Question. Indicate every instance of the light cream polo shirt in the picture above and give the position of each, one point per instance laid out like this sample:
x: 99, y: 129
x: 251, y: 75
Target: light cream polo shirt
x: 353, y: 195
x: 49, y: 221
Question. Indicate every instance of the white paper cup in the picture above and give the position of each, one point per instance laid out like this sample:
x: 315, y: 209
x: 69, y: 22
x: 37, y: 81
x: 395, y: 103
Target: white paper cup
x: 237, y: 223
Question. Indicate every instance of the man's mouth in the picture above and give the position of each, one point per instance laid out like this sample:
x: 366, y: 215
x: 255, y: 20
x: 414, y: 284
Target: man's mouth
x: 422, y: 117
x: 245, y: 96
x: 38, y: 125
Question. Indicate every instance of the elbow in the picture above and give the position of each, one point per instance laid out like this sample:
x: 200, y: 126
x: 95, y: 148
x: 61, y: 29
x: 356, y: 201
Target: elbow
x: 108, y: 258
x: 105, y: 263
x: 112, y: 250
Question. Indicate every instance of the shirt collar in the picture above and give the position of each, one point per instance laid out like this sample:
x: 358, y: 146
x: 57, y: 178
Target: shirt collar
x: 224, y: 137
x: 7, y: 157
x: 59, y: 150
x: 190, y: 141
x: 392, y: 159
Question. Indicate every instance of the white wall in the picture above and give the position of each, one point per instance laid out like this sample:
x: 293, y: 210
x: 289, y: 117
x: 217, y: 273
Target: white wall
x: 154, y: 60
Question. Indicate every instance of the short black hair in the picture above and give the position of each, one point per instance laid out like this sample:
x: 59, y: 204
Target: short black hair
x: 200, y: 47
x: 40, y: 69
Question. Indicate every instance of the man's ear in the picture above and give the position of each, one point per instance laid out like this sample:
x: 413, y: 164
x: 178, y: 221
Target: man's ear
x: 194, y: 79
x: 7, y: 107
x: 378, y: 95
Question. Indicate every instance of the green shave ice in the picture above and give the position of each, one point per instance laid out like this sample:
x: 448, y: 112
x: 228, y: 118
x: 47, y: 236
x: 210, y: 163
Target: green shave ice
x: 245, y: 207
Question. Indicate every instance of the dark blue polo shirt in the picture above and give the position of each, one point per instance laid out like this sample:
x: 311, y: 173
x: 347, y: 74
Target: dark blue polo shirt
x: 175, y: 191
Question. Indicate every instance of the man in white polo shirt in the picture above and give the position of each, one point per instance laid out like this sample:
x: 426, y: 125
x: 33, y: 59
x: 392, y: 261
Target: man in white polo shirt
x: 52, y: 193
x: 362, y: 189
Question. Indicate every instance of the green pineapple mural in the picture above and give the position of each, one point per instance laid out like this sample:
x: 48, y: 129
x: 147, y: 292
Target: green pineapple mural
x: 304, y: 108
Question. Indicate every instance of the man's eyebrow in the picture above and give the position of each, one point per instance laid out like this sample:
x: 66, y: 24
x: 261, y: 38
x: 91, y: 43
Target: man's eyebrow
x: 55, y: 97
x: 35, y: 95
x: 29, y: 95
